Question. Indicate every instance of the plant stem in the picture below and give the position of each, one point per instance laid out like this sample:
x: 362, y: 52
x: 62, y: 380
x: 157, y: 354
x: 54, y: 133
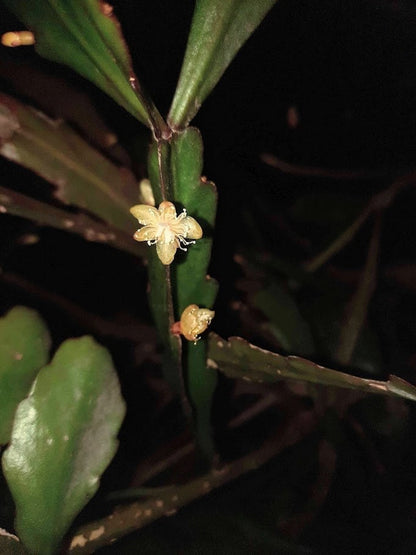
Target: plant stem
x: 358, y: 307
x: 133, y: 331
x: 340, y: 242
x: 378, y: 202
x: 127, y: 519
x: 314, y: 171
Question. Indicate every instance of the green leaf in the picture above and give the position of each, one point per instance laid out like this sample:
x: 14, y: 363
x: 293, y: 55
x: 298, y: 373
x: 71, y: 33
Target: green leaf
x: 82, y: 175
x: 219, y: 29
x: 61, y: 99
x: 239, y: 359
x: 63, y: 438
x: 85, y: 35
x: 24, y: 349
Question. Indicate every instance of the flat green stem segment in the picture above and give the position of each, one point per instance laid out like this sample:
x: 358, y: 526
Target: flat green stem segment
x: 24, y: 349
x: 82, y: 175
x: 185, y: 282
x: 219, y: 29
x: 63, y: 438
x: 86, y: 36
x: 191, y: 285
x: 199, y: 197
x: 160, y: 287
x: 44, y: 214
x: 239, y: 359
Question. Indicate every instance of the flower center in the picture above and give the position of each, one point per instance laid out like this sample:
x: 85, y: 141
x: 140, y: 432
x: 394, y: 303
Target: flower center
x: 164, y: 233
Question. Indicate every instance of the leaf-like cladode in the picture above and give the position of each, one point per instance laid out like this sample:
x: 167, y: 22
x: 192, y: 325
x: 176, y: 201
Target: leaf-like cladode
x: 219, y: 29
x: 191, y: 285
x: 199, y: 197
x: 239, y: 359
x: 86, y: 36
x: 81, y: 174
x: 187, y: 283
x: 24, y: 349
x: 160, y: 289
x: 63, y: 438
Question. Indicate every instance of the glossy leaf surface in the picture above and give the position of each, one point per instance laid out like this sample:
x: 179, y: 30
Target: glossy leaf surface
x: 239, y: 359
x: 63, y: 438
x: 82, y: 175
x: 24, y: 349
x: 219, y: 29
x: 86, y: 36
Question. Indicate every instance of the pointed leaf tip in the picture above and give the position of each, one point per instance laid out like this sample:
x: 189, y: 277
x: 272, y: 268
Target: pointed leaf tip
x: 219, y: 29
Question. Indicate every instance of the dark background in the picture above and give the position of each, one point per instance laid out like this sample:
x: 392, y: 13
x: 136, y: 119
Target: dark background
x: 349, y: 68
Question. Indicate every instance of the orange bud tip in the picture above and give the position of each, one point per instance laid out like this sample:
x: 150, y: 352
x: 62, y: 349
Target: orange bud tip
x: 18, y: 38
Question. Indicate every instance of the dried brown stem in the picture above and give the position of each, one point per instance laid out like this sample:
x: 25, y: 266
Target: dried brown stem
x: 313, y: 171
x: 135, y: 516
x: 87, y: 319
x: 378, y: 202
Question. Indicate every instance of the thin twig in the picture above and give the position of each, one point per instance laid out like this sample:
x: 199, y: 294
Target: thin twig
x: 358, y: 307
x: 131, y: 331
x: 313, y: 171
x: 339, y: 243
x: 378, y: 202
x: 135, y: 516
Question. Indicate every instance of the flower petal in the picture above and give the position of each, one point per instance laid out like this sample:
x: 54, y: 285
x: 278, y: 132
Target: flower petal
x: 167, y: 210
x: 166, y: 252
x: 145, y: 214
x: 146, y: 233
x: 193, y: 229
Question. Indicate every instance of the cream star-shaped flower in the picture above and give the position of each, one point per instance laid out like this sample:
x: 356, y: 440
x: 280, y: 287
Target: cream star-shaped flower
x: 166, y: 230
